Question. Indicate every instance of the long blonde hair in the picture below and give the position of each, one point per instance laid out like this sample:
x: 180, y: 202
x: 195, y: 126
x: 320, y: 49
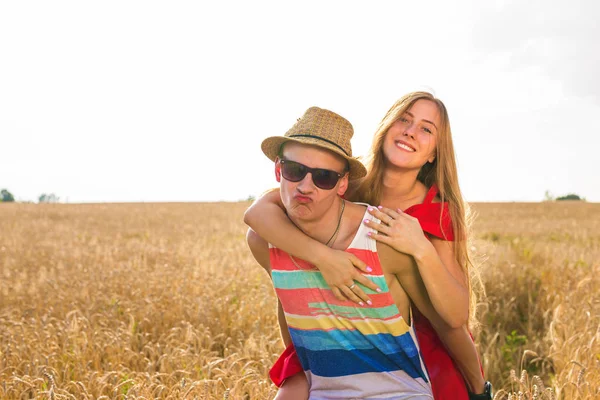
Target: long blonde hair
x: 441, y: 172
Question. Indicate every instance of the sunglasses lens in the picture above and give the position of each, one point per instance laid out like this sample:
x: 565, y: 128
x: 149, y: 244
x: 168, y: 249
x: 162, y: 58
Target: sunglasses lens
x: 324, y: 179
x: 293, y: 171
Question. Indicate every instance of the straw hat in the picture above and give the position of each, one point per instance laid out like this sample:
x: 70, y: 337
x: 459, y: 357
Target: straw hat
x: 323, y: 128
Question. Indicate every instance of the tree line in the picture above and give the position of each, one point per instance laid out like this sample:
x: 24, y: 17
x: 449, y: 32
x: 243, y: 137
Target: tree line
x: 8, y: 197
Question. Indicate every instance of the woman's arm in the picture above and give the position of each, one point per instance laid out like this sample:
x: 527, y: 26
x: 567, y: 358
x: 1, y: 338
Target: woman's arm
x: 462, y: 349
x: 445, y: 281
x: 457, y: 340
x: 266, y: 216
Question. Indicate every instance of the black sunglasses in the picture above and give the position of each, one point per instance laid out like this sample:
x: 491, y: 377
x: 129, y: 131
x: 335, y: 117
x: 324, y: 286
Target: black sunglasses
x: 325, y: 179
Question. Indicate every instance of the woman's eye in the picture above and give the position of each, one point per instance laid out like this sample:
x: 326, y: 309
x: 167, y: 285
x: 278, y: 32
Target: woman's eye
x: 403, y: 119
x: 426, y: 129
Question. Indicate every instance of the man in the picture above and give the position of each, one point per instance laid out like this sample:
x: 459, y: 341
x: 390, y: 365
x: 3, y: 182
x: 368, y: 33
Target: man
x: 346, y: 350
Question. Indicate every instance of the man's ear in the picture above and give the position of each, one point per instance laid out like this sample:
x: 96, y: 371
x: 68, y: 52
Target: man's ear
x: 342, y: 185
x: 277, y: 170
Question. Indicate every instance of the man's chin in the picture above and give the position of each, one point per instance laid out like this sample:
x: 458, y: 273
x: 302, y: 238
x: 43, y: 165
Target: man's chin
x: 299, y: 210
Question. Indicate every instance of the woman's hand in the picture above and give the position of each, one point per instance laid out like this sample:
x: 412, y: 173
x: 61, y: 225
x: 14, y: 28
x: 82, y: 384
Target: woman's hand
x: 341, y: 270
x: 398, y: 230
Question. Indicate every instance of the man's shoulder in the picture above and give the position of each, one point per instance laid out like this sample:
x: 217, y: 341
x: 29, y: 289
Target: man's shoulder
x: 357, y: 204
x: 259, y: 248
x: 356, y: 208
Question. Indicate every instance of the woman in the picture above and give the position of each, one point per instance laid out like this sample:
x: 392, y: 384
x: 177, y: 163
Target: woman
x: 410, y: 164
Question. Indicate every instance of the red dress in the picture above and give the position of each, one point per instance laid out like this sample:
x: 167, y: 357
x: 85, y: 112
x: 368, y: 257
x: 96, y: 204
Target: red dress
x: 446, y: 380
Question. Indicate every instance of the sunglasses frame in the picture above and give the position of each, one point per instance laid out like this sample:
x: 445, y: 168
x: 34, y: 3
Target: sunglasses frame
x: 282, y: 161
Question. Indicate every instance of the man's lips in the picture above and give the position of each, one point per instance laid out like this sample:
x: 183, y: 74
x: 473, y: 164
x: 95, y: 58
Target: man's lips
x: 302, y: 199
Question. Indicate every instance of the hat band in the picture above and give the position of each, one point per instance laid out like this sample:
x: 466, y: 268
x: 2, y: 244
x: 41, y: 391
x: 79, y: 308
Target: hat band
x: 323, y: 139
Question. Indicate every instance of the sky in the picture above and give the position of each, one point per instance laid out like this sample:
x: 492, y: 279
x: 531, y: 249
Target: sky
x: 120, y: 101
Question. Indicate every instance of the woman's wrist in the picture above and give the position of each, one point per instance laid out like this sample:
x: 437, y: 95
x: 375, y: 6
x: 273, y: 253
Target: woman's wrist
x: 423, y: 251
x: 318, y: 254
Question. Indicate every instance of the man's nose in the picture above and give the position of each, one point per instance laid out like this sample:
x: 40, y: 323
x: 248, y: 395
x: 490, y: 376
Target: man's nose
x: 306, y: 184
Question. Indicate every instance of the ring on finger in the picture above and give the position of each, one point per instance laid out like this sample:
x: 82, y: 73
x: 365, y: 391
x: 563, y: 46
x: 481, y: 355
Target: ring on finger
x: 352, y: 286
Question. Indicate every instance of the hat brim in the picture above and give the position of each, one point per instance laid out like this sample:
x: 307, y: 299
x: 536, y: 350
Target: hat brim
x: 271, y: 145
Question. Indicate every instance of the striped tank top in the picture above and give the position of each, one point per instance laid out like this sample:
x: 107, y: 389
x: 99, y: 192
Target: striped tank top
x: 349, y: 351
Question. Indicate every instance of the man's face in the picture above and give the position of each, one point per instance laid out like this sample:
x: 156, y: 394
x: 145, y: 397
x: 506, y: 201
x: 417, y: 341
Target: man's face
x: 303, y: 199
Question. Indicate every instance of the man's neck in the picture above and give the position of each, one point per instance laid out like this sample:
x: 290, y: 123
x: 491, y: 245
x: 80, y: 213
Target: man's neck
x: 323, y: 227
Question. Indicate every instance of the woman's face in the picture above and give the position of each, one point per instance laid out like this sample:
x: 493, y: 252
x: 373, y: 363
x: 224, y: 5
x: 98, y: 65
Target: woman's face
x: 410, y: 141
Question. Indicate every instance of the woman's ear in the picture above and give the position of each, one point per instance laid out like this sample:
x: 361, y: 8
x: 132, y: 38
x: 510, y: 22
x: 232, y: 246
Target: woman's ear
x: 431, y: 159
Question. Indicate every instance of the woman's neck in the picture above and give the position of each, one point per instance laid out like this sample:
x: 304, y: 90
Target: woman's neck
x: 401, y: 187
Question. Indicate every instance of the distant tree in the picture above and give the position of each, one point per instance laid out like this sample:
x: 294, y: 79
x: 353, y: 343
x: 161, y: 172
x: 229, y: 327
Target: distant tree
x: 6, y: 196
x: 570, y: 196
x: 548, y: 196
x: 48, y: 198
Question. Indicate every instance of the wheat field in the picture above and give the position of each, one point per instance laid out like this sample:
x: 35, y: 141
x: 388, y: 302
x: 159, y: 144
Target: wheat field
x: 144, y: 301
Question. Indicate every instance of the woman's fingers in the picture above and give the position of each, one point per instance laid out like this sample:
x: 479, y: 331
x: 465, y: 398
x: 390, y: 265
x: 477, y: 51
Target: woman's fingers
x: 363, y: 280
x: 353, y: 293
x: 384, y: 214
x: 344, y: 281
x: 390, y: 212
x: 349, y: 293
x: 344, y: 293
x: 380, y: 238
x: 338, y: 294
x: 379, y: 227
x: 357, y: 290
x: 360, y: 264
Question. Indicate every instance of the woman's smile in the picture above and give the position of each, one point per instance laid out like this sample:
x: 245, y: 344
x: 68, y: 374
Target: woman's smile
x: 404, y: 146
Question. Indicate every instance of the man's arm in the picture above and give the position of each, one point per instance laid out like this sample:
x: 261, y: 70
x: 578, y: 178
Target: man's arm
x: 260, y: 250
x: 283, y: 326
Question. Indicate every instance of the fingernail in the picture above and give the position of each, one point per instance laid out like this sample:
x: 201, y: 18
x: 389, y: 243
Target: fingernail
x: 380, y: 207
x: 361, y: 303
x: 365, y: 220
x: 369, y: 269
x: 378, y: 290
x: 370, y: 208
x: 369, y: 302
x: 369, y: 233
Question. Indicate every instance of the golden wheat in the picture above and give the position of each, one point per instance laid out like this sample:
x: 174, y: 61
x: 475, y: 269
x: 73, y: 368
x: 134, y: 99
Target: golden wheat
x: 115, y: 301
